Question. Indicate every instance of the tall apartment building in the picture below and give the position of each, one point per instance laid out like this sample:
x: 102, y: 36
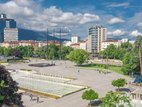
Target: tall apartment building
x: 10, y: 34
x: 97, y: 34
x: 5, y: 23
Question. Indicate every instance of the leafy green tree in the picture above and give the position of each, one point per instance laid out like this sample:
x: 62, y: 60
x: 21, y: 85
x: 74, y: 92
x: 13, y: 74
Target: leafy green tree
x: 53, y: 51
x: 127, y: 46
x: 78, y: 56
x: 109, y: 52
x: 2, y: 85
x: 114, y: 99
x: 90, y: 95
x: 113, y: 52
x: 7, y: 51
x: 138, y: 45
x: 17, y: 53
x: 130, y: 63
x: 65, y: 51
x: 119, y: 83
x: 11, y: 97
x: 27, y: 51
x: 1, y: 50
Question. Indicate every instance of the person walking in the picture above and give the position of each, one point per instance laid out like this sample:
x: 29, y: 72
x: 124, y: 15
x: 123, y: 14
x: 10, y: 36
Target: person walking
x: 31, y: 96
x: 37, y: 99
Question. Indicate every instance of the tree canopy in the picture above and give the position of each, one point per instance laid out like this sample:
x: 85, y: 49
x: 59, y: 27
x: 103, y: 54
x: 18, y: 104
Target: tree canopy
x: 114, y: 52
x: 119, y: 83
x: 9, y: 89
x: 90, y: 95
x: 138, y: 47
x: 114, y: 99
x: 78, y: 56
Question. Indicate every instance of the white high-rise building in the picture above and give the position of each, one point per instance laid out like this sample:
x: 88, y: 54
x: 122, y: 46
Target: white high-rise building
x: 75, y: 39
x: 97, y: 34
x: 10, y: 34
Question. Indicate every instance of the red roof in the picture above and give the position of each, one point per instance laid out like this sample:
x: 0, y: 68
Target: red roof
x: 111, y: 41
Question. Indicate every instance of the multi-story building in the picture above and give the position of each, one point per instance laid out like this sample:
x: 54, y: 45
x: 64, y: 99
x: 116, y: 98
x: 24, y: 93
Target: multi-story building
x: 5, y: 23
x: 10, y: 34
x: 117, y: 43
x: 97, y: 34
x: 124, y: 40
x: 106, y: 43
x: 75, y: 39
x: 83, y: 45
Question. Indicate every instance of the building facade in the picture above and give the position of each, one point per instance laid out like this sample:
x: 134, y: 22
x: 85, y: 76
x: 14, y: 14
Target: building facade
x: 83, y: 45
x: 97, y: 34
x: 106, y: 43
x: 5, y: 23
x: 10, y: 34
x: 75, y: 39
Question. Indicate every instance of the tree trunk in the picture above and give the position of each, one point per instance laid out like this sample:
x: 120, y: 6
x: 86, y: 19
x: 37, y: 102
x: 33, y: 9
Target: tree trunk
x: 140, y: 60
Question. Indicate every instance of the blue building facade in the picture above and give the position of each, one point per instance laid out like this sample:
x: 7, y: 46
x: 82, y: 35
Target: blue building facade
x: 5, y: 23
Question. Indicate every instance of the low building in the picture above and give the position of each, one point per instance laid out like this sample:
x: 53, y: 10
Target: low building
x: 83, y: 45
x: 75, y: 45
x: 124, y: 40
x: 27, y: 43
x: 67, y: 43
x: 132, y: 42
x: 106, y: 43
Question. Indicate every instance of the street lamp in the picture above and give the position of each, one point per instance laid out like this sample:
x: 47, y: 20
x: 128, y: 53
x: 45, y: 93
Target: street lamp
x: 47, y: 45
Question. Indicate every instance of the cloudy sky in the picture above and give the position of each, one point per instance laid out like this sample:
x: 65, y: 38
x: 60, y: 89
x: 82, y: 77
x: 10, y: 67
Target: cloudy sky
x: 122, y: 18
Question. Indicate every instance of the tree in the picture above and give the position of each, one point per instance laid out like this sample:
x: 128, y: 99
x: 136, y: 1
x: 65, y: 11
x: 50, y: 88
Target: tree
x: 130, y: 63
x: 65, y: 51
x: 17, y: 53
x: 114, y: 99
x: 2, y: 85
x: 90, y: 95
x: 53, y: 51
x: 79, y: 56
x: 138, y: 45
x: 119, y: 83
x: 7, y: 51
x: 11, y: 97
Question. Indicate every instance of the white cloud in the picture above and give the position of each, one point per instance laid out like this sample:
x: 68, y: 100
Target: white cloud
x: 115, y: 20
x: 135, y: 33
x: 31, y: 15
x: 87, y: 17
x: 119, y: 5
x: 139, y: 24
x: 117, y: 32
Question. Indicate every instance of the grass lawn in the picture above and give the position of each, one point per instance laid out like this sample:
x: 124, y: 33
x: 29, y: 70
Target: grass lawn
x: 102, y: 67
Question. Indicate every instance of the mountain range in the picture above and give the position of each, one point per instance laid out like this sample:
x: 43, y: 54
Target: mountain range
x: 25, y: 34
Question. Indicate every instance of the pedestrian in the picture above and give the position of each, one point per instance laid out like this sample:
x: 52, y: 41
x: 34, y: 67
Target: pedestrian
x: 99, y: 71
x: 78, y: 71
x: 37, y: 99
x: 31, y: 96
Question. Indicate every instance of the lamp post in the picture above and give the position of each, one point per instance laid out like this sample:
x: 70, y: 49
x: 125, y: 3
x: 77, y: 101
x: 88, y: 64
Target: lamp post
x: 60, y: 32
x: 60, y: 43
x: 47, y: 45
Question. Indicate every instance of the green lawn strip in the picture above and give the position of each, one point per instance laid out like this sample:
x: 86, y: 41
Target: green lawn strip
x: 101, y: 67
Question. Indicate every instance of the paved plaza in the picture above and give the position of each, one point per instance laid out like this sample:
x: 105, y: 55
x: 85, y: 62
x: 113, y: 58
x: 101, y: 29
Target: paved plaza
x: 100, y: 82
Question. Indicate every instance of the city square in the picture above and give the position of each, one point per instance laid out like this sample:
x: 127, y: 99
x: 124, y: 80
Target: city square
x: 70, y: 53
x: 101, y: 83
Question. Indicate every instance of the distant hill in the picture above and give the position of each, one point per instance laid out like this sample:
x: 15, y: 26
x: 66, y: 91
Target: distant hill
x: 25, y: 34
